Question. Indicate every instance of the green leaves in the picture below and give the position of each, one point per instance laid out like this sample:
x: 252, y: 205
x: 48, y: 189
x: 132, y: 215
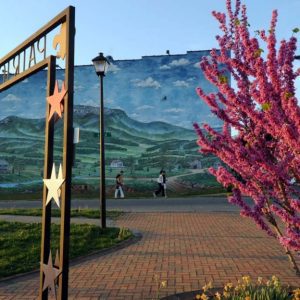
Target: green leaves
x: 223, y: 79
x: 266, y: 106
x: 237, y: 22
x: 295, y: 30
x: 288, y: 95
x: 258, y: 52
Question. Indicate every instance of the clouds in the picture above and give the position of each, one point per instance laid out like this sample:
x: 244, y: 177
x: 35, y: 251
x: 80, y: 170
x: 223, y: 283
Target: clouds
x: 208, y: 58
x: 174, y: 110
x: 164, y: 67
x: 197, y: 65
x: 11, y: 98
x: 145, y: 107
x: 181, y: 83
x: 179, y: 62
x: 175, y: 63
x: 113, y: 68
x: 146, y: 83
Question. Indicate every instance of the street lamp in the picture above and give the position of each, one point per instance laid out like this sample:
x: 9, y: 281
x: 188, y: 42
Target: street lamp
x: 101, y: 63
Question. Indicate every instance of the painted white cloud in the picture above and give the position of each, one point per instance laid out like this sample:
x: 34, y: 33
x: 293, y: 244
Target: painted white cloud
x: 181, y: 83
x: 148, y: 82
x: 212, y: 116
x: 191, y: 79
x: 144, y: 107
x: 113, y: 68
x: 109, y: 101
x: 179, y: 62
x: 78, y: 87
x: 134, y: 115
x: 175, y: 63
x: 10, y: 98
x: 90, y: 102
x: 174, y: 110
x: 197, y: 65
x: 164, y: 67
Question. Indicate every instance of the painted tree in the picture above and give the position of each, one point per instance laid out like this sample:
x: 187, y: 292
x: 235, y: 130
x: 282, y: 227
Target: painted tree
x: 263, y: 159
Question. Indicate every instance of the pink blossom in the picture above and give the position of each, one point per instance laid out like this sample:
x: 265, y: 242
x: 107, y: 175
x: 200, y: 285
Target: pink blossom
x: 265, y: 155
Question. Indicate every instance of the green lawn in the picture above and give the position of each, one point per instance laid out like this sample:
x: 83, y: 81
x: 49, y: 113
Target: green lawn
x: 85, y: 212
x: 20, y: 244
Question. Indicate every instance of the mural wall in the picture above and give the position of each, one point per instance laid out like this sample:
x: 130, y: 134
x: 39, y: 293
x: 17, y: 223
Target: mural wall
x: 150, y: 105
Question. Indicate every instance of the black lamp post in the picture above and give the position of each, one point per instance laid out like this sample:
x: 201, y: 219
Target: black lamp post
x: 101, y: 63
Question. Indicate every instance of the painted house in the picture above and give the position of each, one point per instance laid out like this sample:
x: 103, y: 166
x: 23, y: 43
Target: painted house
x: 196, y: 164
x: 4, y: 166
x: 117, y: 164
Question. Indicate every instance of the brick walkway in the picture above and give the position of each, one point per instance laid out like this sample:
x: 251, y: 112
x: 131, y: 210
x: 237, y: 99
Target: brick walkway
x: 186, y: 249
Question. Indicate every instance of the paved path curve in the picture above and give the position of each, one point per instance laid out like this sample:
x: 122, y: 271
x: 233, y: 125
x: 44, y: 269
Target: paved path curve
x: 187, y: 249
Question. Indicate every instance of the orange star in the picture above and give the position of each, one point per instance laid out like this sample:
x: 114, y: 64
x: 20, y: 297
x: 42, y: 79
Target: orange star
x: 56, y: 99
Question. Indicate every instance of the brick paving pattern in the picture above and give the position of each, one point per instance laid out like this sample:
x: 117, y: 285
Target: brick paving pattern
x: 186, y: 249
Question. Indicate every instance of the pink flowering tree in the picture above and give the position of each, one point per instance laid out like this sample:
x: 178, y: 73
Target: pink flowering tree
x: 262, y: 161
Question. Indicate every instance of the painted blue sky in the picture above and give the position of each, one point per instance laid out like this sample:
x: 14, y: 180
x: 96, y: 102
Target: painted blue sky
x: 154, y: 88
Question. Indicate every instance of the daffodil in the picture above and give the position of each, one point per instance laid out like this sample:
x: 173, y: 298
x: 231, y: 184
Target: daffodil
x: 207, y: 286
x: 259, y: 280
x: 204, y: 297
x: 228, y: 286
x: 163, y: 284
x: 246, y: 279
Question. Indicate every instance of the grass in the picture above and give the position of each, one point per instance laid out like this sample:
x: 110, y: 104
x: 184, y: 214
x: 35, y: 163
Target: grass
x: 85, y: 212
x: 20, y: 244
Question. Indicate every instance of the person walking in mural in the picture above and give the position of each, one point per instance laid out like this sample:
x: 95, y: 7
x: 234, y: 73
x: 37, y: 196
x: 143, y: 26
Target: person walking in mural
x: 160, y: 181
x: 119, y: 185
x: 165, y: 183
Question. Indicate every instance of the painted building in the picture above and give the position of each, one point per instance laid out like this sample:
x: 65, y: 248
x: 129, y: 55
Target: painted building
x: 150, y: 106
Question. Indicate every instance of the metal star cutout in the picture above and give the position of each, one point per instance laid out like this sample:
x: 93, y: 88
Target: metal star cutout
x: 51, y: 273
x: 55, y: 101
x: 53, y: 185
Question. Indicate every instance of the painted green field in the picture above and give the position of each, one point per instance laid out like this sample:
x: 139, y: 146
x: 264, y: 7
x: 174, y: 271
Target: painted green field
x: 141, y: 150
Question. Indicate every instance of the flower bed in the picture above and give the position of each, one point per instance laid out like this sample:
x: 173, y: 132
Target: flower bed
x: 245, y: 289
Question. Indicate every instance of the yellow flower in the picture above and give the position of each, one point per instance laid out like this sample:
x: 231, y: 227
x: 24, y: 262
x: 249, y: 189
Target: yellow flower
x: 259, y: 280
x: 275, y: 281
x: 207, y: 286
x: 246, y: 279
x: 228, y: 286
x: 226, y: 294
x: 163, y: 284
x: 296, y: 294
x: 198, y: 296
x: 248, y: 298
x: 218, y: 296
x: 204, y: 297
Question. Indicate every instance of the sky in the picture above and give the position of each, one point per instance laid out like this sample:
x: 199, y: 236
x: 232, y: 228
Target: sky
x: 128, y: 29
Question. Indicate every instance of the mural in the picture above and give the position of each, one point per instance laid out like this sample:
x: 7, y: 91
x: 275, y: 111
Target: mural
x: 150, y: 105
